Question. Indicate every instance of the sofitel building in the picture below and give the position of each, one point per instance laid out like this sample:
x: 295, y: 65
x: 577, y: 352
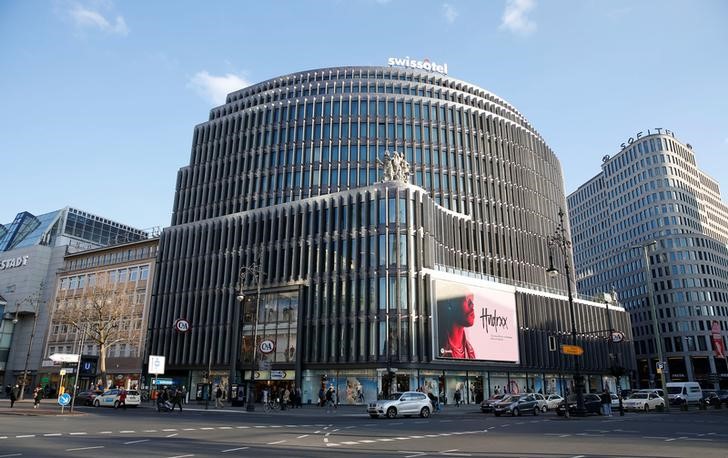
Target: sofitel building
x: 653, y: 191
x: 369, y: 280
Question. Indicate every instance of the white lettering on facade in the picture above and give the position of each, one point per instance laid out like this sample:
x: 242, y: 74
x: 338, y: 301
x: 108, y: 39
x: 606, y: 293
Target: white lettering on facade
x: 13, y: 262
x: 638, y: 135
x: 426, y: 64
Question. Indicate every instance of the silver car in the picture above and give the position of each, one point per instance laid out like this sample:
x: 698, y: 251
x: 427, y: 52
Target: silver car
x: 407, y: 403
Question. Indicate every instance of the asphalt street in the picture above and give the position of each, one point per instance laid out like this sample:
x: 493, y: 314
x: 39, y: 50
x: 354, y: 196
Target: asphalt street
x: 312, y: 432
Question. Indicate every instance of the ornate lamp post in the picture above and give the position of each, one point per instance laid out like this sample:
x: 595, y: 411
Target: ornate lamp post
x: 256, y: 272
x: 559, y: 240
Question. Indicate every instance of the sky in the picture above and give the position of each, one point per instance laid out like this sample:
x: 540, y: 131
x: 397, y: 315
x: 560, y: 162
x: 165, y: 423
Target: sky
x: 99, y: 98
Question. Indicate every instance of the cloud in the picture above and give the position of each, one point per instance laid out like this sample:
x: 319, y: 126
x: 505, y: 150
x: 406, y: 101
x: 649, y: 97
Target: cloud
x: 515, y: 17
x: 449, y: 12
x: 216, y: 88
x: 87, y: 18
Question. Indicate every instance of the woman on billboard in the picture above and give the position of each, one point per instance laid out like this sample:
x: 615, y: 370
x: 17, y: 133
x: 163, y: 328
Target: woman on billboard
x: 454, y: 315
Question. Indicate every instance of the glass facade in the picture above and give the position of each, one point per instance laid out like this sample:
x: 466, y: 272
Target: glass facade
x: 293, y: 167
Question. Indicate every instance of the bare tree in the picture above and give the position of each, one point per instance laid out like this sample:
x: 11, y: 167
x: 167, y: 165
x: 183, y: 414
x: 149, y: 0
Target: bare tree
x: 106, y: 311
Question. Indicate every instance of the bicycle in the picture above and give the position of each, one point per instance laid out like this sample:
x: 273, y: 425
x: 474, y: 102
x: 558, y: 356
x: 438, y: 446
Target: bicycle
x: 271, y: 405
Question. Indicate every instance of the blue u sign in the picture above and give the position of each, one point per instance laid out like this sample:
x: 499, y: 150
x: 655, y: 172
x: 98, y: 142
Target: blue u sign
x: 64, y: 399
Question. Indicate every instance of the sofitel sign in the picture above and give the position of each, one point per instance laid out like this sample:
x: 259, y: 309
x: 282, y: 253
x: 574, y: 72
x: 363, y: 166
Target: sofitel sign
x: 421, y: 64
x: 657, y: 130
x: 13, y: 262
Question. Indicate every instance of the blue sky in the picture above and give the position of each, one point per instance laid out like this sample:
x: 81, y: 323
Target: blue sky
x: 99, y: 98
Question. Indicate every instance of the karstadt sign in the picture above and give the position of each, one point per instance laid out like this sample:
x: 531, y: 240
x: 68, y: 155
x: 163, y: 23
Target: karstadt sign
x: 13, y: 262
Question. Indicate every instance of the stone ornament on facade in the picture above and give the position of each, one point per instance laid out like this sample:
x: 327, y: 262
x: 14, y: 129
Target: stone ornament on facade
x: 396, y: 168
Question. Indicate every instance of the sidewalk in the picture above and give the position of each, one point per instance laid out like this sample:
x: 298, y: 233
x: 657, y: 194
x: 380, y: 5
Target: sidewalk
x: 25, y: 407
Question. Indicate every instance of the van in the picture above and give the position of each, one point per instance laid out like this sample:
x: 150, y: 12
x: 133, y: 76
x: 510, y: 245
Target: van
x: 684, y: 392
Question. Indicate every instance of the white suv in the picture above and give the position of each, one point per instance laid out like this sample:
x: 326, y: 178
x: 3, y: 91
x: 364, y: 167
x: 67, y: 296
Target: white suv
x: 407, y: 403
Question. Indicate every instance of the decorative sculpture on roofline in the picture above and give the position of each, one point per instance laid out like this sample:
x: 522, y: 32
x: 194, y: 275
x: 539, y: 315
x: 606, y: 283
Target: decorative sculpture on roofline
x: 396, y: 168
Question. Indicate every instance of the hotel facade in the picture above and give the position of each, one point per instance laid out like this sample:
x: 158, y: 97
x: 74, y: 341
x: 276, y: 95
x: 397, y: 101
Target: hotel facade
x: 653, y: 191
x: 388, y: 210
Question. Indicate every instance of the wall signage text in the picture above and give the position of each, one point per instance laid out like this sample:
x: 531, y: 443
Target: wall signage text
x: 426, y: 64
x: 13, y: 262
x: 638, y: 135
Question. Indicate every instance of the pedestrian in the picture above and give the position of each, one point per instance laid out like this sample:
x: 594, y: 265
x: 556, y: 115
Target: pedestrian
x: 122, y: 399
x: 606, y: 399
x: 457, y: 397
x: 286, y: 398
x: 14, y: 395
x: 37, y: 396
x: 218, y: 397
x: 184, y: 395
x: 177, y: 399
x: 299, y: 397
x: 322, y: 396
x: 331, y: 397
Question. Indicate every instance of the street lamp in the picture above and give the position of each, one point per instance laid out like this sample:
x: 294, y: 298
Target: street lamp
x: 256, y: 272
x: 655, y: 324
x: 558, y: 240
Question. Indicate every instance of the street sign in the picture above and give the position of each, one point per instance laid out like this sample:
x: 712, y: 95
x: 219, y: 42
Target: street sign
x: 617, y: 336
x: 156, y: 364
x: 181, y: 325
x: 267, y: 346
x: 660, y: 366
x: 572, y: 350
x: 64, y: 399
x: 64, y: 358
x: 264, y: 365
x: 63, y: 372
x: 277, y: 375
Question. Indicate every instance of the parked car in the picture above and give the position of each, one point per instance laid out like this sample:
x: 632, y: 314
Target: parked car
x: 711, y: 398
x: 657, y: 391
x: 553, y: 401
x: 516, y: 405
x: 643, y: 401
x: 86, y: 398
x: 723, y: 395
x: 615, y: 400
x: 487, y: 405
x: 592, y: 404
x: 407, y: 403
x: 110, y: 398
x: 541, y: 400
x: 684, y: 393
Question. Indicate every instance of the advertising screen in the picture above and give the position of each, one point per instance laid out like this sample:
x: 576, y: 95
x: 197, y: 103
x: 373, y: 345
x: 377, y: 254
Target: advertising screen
x: 475, y: 322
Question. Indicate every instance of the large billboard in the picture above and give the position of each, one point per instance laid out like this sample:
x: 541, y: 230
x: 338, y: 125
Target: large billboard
x: 475, y: 322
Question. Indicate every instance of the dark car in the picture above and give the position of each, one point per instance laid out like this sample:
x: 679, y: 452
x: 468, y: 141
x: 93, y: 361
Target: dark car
x: 592, y: 404
x: 723, y: 395
x: 487, y: 405
x: 711, y: 398
x: 516, y: 404
x: 86, y: 398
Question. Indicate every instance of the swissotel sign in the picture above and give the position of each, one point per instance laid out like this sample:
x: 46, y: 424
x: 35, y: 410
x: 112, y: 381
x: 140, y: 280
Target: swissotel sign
x: 426, y: 64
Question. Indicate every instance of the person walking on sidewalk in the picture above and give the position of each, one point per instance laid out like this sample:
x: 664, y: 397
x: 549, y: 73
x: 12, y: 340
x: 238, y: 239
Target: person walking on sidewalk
x: 218, y: 397
x: 177, y: 399
x: 37, y: 396
x: 458, y: 396
x: 14, y: 395
x: 606, y: 399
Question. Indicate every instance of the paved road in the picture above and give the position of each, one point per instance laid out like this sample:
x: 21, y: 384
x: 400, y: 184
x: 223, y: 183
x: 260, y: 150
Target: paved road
x: 310, y: 432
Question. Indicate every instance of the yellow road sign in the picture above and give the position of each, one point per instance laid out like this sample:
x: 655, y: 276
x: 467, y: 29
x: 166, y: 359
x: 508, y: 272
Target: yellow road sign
x: 572, y: 350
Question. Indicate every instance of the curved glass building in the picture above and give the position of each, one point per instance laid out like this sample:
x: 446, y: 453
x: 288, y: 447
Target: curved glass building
x: 362, y: 276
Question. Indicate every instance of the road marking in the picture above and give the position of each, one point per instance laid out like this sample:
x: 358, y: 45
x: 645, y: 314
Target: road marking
x: 52, y: 434
x: 105, y: 432
x: 276, y: 442
x: 662, y: 438
x: 402, y: 438
x: 367, y: 441
x: 224, y: 427
x: 332, y: 445
x: 385, y: 439
x: 242, y: 427
x: 169, y: 430
x: 578, y: 456
x: 209, y: 429
x: 127, y: 432
x: 83, y: 448
x: 326, y: 439
x: 171, y: 435
x: 24, y: 436
x: 302, y: 436
x: 189, y: 429
x: 78, y: 434
x: 235, y: 449
x: 3, y: 437
x: 414, y: 454
x: 452, y: 453
x: 180, y: 456
x: 150, y: 430
x: 12, y: 454
x: 136, y: 442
